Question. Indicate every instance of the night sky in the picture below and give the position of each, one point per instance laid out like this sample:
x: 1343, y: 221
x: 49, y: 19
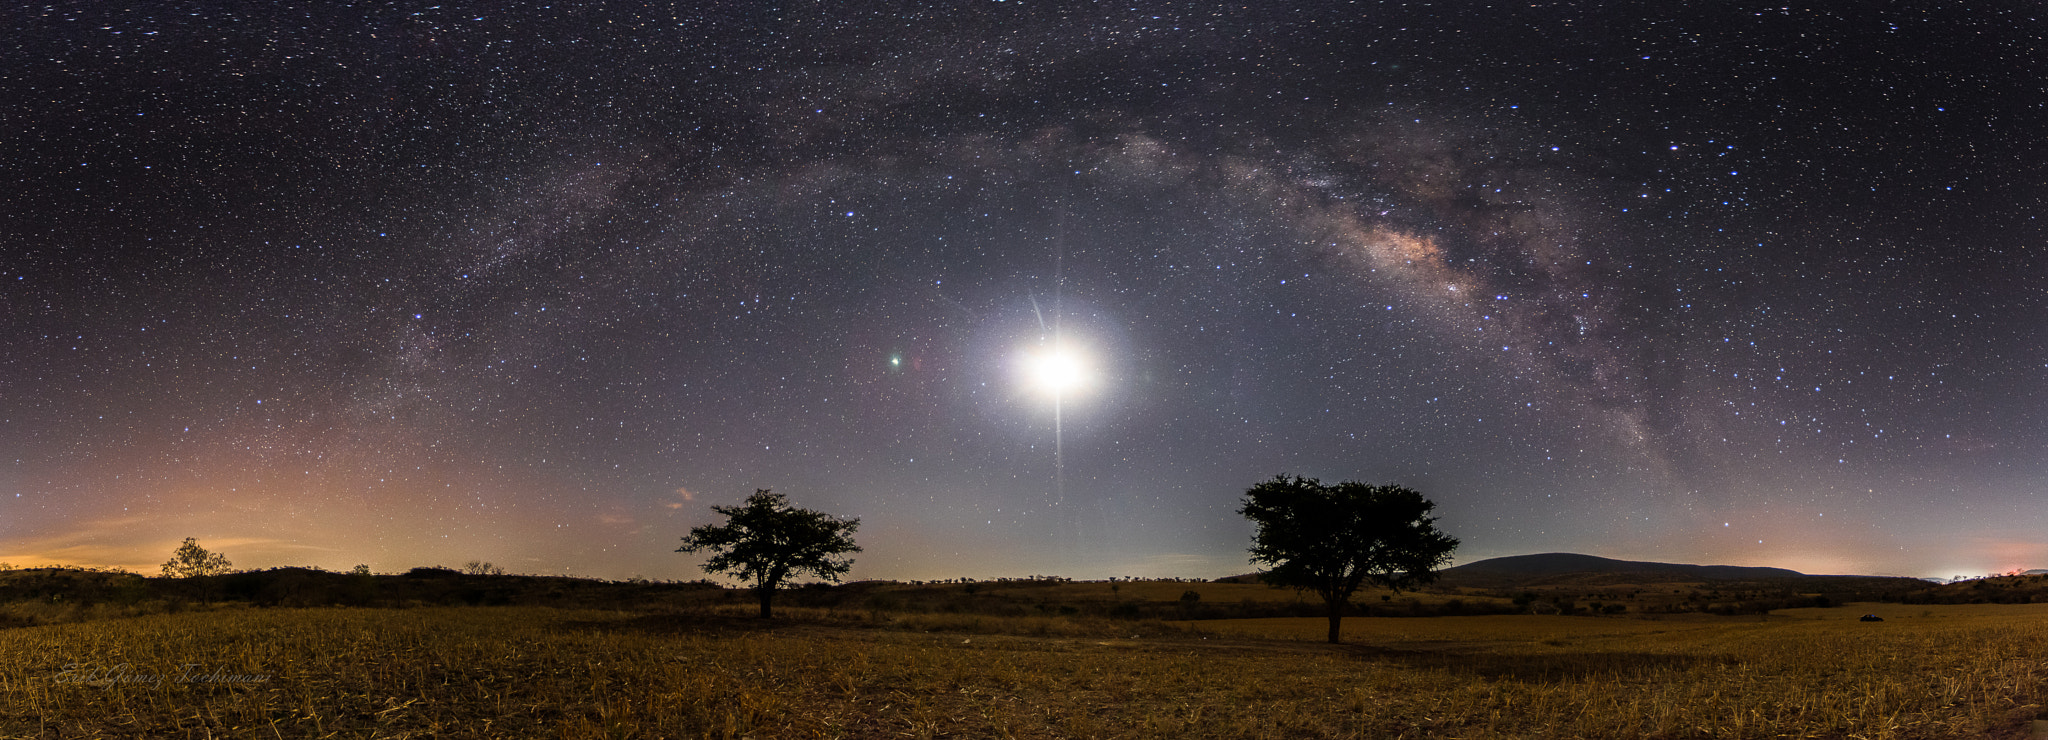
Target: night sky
x: 403, y: 283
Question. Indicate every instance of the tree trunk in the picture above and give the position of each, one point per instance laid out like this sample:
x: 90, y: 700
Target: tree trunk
x: 1336, y: 619
x: 764, y: 594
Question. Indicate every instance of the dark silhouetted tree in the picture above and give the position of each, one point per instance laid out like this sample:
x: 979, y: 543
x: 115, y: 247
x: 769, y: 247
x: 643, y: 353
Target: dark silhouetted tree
x: 766, y: 541
x: 482, y: 568
x: 192, y: 560
x: 1332, y: 539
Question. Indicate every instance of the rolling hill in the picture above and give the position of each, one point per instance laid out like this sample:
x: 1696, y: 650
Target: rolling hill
x: 1526, y: 569
x: 1573, y: 572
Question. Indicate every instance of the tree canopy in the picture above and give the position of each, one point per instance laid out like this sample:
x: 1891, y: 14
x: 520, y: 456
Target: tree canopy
x: 192, y: 560
x: 1333, y: 539
x: 766, y: 540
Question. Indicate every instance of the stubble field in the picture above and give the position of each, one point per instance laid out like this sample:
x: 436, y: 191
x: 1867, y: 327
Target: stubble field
x: 1935, y: 672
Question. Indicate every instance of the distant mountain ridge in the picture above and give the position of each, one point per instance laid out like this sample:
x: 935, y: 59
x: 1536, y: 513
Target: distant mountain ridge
x: 1574, y: 571
x: 1519, y: 570
x: 1524, y: 567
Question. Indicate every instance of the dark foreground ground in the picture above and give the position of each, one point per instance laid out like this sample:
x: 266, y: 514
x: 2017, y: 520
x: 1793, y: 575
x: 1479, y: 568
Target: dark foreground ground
x: 711, y: 671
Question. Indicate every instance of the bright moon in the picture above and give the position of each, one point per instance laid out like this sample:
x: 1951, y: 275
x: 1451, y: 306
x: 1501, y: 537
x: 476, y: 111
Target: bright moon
x: 1055, y: 369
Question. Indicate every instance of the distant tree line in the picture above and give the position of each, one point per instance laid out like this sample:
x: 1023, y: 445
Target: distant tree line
x: 1329, y: 540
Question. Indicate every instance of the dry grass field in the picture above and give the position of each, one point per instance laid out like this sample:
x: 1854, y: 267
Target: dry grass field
x: 1167, y: 591
x: 1926, y: 672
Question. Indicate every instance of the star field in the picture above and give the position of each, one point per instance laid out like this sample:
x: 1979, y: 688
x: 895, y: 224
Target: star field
x: 406, y: 284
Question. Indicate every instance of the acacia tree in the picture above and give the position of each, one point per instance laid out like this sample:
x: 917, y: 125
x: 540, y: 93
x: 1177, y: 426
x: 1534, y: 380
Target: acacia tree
x: 192, y: 560
x: 766, y: 541
x: 1332, y: 539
